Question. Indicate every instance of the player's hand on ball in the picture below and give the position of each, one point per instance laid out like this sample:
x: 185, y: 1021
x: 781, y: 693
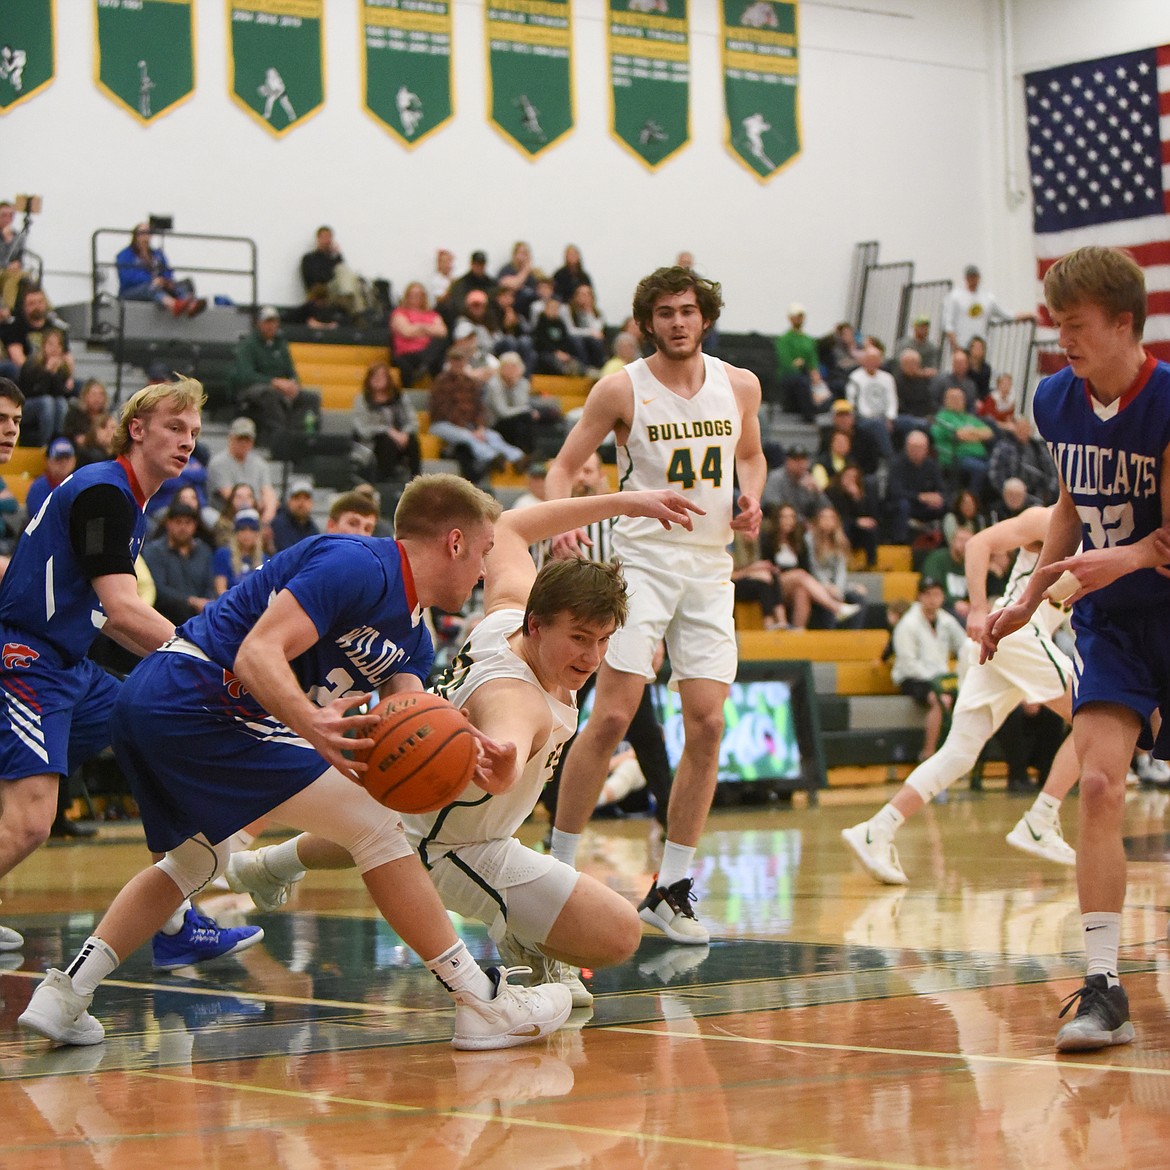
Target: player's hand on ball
x: 333, y: 731
x: 496, y: 771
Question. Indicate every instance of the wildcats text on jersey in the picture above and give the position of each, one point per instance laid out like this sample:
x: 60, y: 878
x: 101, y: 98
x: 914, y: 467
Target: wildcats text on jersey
x: 704, y: 429
x: 373, y: 654
x: 1088, y: 469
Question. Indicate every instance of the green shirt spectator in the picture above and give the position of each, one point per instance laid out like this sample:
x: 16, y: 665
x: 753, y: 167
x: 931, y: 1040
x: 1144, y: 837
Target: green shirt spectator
x: 957, y: 434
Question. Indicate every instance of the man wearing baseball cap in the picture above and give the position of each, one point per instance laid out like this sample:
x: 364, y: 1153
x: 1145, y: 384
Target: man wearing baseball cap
x: 294, y: 521
x: 798, y: 369
x: 60, y: 460
x: 242, y: 463
x: 265, y: 384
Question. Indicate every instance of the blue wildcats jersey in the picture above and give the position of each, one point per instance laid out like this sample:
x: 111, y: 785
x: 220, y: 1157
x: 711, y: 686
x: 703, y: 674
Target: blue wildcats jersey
x: 358, y: 593
x: 45, y: 593
x: 1112, y: 468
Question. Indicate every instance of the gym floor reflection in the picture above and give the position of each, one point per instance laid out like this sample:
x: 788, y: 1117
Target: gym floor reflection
x: 832, y: 1021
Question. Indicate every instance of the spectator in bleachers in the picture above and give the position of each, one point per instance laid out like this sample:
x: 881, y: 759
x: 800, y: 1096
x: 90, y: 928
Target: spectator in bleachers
x: 919, y: 341
x: 625, y: 350
x: 977, y: 368
x: 60, y: 461
x: 325, y: 265
x: 514, y: 412
x: 243, y: 553
x: 385, y: 424
x: 517, y: 277
x: 872, y: 393
x: 240, y: 462
x: 858, y: 509
x: 967, y: 312
x: 458, y: 416
x: 782, y: 540
x: 925, y: 641
x: 833, y: 459
x: 534, y: 487
x: 798, y: 369
x: 1012, y: 500
x: 959, y: 375
x: 570, y: 275
x: 11, y: 259
x: 479, y: 364
x: 476, y: 278
x: 947, y: 566
x: 960, y: 439
x: 92, y: 400
x: 513, y: 332
x: 206, y: 517
x: 144, y: 274
x: 439, y: 282
x: 915, y: 403
x: 180, y: 565
x: 355, y: 512
x: 265, y: 381
x: 1019, y: 453
x: 557, y: 350
x: 755, y: 579
x: 242, y: 497
x: 98, y: 444
x: 840, y: 356
x: 47, y: 381
x: 863, y: 445
x: 966, y: 511
x: 294, y: 521
x: 793, y: 484
x: 21, y: 336
x: 544, y: 290
x: 999, y: 407
x: 319, y: 310
x: 587, y: 326
x: 915, y: 492
x: 828, y: 561
x: 418, y: 335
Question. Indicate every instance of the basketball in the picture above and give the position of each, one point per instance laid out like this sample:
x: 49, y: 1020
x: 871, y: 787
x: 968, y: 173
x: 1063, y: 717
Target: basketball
x: 424, y: 753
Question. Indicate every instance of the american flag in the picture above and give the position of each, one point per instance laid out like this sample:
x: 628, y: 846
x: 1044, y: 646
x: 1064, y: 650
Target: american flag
x: 1099, y: 145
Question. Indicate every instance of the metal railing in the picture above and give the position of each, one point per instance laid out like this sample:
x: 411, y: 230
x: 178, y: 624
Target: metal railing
x: 865, y: 256
x: 922, y: 298
x: 241, y: 274
x: 881, y: 299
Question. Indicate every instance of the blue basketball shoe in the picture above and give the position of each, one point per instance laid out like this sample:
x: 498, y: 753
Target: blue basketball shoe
x: 199, y: 940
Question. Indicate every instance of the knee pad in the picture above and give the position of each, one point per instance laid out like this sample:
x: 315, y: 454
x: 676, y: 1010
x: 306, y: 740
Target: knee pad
x: 969, y: 733
x: 195, y: 863
x: 381, y: 840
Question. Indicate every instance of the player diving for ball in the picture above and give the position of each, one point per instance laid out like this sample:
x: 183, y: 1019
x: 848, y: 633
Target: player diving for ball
x: 543, y: 635
x: 1029, y: 668
x: 245, y: 712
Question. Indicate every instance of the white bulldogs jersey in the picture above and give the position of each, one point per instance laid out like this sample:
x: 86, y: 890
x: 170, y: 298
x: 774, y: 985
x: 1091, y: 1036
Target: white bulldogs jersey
x: 1048, y: 616
x: 687, y: 444
x: 475, y: 815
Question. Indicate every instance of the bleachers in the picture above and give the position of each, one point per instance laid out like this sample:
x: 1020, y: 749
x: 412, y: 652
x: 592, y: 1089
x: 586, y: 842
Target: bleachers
x: 336, y: 370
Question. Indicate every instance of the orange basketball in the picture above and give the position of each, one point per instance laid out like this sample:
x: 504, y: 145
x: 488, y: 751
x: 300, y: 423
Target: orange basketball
x: 424, y: 753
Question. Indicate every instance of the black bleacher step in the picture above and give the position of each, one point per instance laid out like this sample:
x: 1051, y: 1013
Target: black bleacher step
x: 858, y: 748
x: 834, y: 712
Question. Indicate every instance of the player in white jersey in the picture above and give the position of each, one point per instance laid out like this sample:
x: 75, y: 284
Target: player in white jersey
x: 542, y: 637
x: 1028, y: 668
x: 685, y: 420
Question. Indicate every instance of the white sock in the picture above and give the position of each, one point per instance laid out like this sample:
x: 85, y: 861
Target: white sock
x: 887, y: 820
x: 283, y: 861
x: 1102, y: 931
x: 175, y: 923
x: 94, y: 962
x: 1046, y: 808
x: 564, y: 846
x: 676, y: 863
x: 456, y: 970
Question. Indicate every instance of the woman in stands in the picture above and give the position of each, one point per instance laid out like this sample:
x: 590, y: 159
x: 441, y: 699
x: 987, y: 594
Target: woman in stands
x: 570, y: 276
x: 144, y: 274
x: 828, y: 561
x: 782, y: 537
x: 857, y: 508
x: 98, y: 444
x: 979, y: 371
x: 588, y: 326
x: 93, y: 400
x: 385, y: 424
x: 243, y: 554
x: 418, y: 335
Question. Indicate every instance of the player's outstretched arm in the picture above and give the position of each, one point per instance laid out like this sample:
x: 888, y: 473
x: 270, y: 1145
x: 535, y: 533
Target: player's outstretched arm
x: 129, y: 620
x: 510, y: 713
x: 262, y: 665
x: 510, y: 571
x: 1029, y: 527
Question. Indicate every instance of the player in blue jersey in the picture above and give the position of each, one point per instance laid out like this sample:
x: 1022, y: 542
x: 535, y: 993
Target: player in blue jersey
x: 245, y: 713
x: 72, y: 575
x: 1106, y: 420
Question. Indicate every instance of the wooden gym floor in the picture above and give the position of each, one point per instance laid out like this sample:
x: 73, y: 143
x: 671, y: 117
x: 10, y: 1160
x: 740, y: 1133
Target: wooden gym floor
x: 831, y: 1023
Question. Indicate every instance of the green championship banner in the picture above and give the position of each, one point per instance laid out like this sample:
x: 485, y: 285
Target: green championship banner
x: 26, y: 51
x: 649, y: 73
x: 406, y: 66
x: 760, y: 83
x: 145, y: 58
x: 530, y: 71
x: 276, y: 68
